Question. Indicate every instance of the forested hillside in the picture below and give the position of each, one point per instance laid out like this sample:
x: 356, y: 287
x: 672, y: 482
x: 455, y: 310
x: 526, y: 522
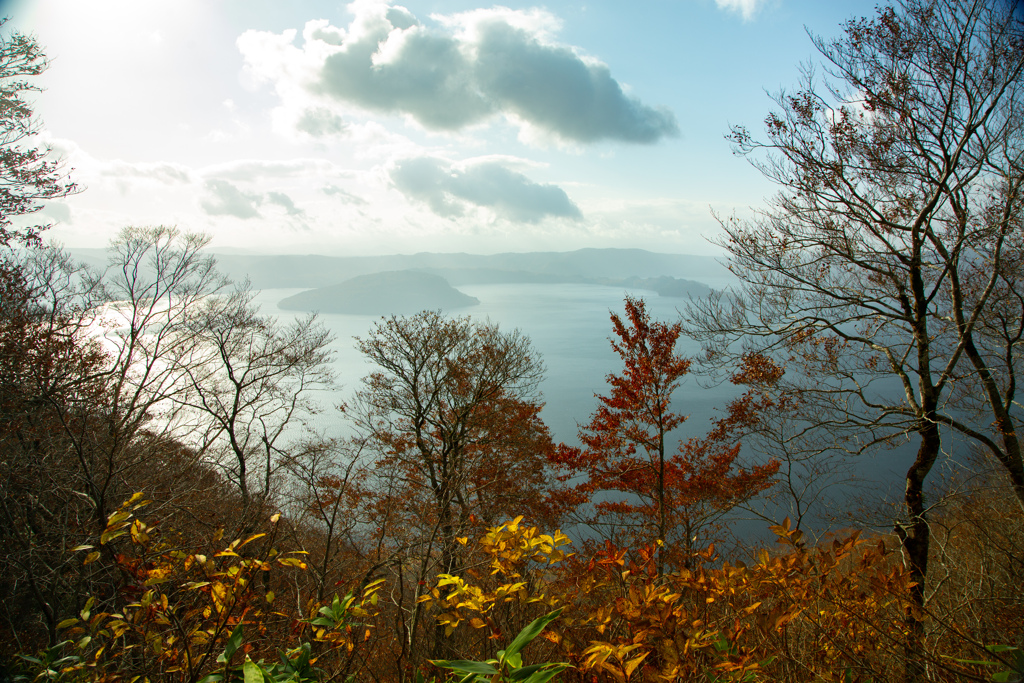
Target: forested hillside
x: 169, y: 513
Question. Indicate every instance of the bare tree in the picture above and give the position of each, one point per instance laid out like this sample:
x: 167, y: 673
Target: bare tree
x: 250, y: 382
x: 156, y: 278
x: 452, y: 417
x: 324, y: 477
x: 86, y: 387
x: 886, y: 268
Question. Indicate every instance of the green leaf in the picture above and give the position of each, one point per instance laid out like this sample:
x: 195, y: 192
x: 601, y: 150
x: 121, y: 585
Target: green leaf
x: 975, y: 662
x: 300, y: 662
x: 286, y: 664
x: 231, y: 647
x: 546, y: 675
x: 525, y: 672
x: 466, y: 666
x: 531, y: 631
x: 251, y: 672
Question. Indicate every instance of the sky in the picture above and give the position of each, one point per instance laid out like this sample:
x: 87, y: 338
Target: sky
x: 435, y: 125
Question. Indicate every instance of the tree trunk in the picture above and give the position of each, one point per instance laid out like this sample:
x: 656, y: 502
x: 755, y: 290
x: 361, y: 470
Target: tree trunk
x: 915, y: 535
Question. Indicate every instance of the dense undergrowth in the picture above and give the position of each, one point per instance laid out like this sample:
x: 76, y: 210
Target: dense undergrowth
x: 180, y: 608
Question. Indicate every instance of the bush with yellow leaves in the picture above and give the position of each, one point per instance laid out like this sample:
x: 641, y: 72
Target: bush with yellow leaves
x: 181, y: 616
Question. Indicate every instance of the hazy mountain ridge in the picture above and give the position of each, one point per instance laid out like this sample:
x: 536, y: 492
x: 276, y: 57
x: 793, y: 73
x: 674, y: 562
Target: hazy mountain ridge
x: 672, y: 275
x: 664, y: 285
x: 593, y: 266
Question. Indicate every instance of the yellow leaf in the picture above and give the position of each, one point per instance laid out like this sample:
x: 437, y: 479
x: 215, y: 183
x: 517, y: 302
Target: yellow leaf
x: 91, y: 557
x: 634, y: 663
x: 109, y: 535
x: 219, y: 593
x: 118, y: 517
x: 139, y: 535
x: 251, y: 539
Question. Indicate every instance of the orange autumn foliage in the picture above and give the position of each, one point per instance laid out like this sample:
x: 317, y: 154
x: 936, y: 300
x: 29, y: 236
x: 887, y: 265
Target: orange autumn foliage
x: 796, y: 614
x: 828, y: 613
x: 635, y: 474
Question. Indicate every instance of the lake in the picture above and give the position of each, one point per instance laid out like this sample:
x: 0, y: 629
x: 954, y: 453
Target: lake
x: 569, y: 325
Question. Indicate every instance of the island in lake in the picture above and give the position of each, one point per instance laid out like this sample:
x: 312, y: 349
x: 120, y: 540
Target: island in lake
x: 396, y: 292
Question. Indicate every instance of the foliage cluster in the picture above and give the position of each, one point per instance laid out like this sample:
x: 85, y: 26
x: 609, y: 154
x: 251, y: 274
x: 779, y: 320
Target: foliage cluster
x: 832, y: 612
x: 893, y: 253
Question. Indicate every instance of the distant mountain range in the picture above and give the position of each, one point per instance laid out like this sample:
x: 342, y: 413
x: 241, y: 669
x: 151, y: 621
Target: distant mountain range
x: 596, y: 266
x: 678, y: 275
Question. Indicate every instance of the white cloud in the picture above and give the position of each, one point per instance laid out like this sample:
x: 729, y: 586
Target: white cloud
x: 468, y: 26
x: 310, y: 204
x: 161, y: 172
x: 90, y: 172
x: 449, y: 189
x: 465, y: 71
x: 344, y: 196
x: 371, y: 140
x: 321, y: 122
x: 285, y: 202
x: 747, y: 8
x: 58, y: 211
x: 250, y: 170
x: 225, y: 199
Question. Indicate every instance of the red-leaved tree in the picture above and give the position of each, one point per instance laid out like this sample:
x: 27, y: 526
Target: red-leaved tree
x: 637, y: 482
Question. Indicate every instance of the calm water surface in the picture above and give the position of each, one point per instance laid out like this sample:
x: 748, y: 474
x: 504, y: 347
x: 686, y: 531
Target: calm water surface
x: 569, y: 325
